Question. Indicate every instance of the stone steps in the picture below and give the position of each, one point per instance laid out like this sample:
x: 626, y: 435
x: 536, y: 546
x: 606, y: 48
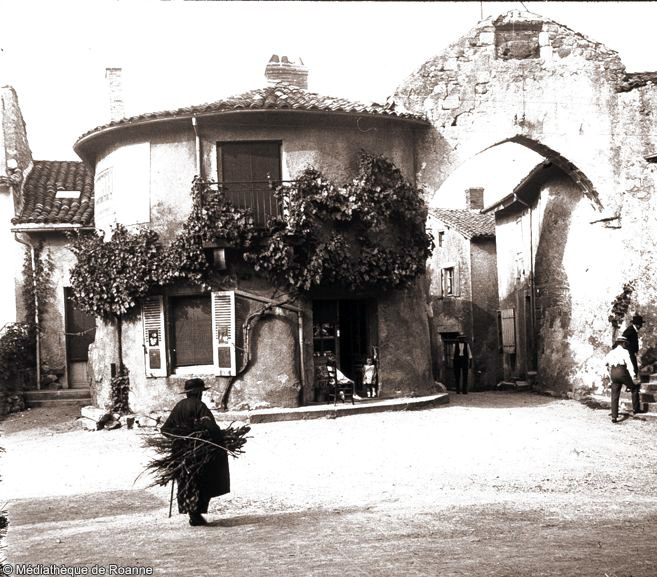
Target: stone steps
x: 625, y: 405
x: 46, y: 398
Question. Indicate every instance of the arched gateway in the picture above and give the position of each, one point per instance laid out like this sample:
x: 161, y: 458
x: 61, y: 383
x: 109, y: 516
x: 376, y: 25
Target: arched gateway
x: 579, y: 226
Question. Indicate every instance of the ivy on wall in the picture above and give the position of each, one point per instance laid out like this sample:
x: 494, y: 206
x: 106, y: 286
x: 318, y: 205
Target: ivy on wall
x: 369, y: 233
x: 621, y: 305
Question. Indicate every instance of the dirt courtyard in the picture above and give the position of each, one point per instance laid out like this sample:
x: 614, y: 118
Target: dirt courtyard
x: 494, y: 484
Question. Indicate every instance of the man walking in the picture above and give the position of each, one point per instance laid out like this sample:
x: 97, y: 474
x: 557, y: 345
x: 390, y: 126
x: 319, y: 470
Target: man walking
x: 196, y: 486
x: 621, y: 373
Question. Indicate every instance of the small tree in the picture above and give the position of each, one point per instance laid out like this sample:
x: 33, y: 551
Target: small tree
x: 108, y: 280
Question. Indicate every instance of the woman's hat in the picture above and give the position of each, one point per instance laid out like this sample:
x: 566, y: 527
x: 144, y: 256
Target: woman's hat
x: 194, y: 385
x: 616, y: 340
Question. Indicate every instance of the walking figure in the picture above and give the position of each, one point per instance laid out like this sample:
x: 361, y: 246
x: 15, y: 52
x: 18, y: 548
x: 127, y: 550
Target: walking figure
x: 621, y: 373
x: 196, y: 487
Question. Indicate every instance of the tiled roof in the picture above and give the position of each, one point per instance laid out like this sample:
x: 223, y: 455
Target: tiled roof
x: 39, y: 202
x: 470, y: 223
x: 634, y: 80
x: 281, y: 96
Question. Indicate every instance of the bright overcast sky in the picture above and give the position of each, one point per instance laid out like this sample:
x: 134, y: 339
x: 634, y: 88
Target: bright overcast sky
x: 178, y: 53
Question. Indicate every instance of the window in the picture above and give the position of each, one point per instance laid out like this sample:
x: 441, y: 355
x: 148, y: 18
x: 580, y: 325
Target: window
x: 191, y: 330
x: 449, y: 281
x: 441, y: 237
x: 517, y: 41
x: 245, y: 171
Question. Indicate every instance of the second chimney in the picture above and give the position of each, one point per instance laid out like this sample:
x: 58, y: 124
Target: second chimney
x: 285, y: 70
x: 474, y: 198
x: 115, y: 90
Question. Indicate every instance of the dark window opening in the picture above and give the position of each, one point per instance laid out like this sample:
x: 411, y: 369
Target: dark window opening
x: 517, y: 41
x: 191, y: 330
x: 247, y: 172
x: 80, y: 330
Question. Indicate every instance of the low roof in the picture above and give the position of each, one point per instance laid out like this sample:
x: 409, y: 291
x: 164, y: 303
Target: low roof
x: 469, y: 222
x: 48, y: 195
x: 278, y: 97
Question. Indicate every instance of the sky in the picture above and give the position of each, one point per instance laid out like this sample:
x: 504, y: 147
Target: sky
x: 179, y: 53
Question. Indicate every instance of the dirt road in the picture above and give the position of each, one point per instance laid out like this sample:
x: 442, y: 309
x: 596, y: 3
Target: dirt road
x: 493, y: 484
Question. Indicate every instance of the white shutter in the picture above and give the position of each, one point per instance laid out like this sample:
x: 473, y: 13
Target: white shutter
x: 154, y: 337
x: 223, y: 333
x: 508, y: 318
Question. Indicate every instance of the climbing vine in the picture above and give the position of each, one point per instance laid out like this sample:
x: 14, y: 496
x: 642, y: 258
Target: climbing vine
x: 621, y: 305
x: 369, y: 233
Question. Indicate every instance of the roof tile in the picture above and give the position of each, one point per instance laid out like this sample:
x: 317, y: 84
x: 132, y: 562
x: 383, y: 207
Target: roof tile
x: 39, y: 203
x: 281, y: 96
x: 470, y: 223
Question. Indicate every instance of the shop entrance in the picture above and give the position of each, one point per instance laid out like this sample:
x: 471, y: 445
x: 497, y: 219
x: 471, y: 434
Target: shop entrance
x: 346, y: 328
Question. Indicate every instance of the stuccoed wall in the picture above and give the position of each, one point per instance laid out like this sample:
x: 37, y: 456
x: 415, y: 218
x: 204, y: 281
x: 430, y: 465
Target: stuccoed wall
x: 571, y: 102
x: 164, y: 158
x: 486, y: 356
x: 404, y: 346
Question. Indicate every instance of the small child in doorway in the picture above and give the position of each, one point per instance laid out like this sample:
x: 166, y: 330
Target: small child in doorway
x: 369, y: 377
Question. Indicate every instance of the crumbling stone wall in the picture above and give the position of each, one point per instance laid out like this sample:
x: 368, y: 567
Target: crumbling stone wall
x: 526, y: 79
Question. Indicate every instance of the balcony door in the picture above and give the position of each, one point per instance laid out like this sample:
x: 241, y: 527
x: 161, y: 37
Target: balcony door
x: 245, y: 171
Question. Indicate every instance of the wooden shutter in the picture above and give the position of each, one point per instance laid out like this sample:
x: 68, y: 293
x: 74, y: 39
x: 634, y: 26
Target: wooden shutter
x: 223, y: 333
x: 508, y: 318
x: 154, y: 337
x: 456, y: 284
x: 442, y: 282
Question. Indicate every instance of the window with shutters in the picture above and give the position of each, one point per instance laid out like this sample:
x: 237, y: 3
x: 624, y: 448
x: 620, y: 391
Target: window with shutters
x: 192, y: 334
x: 245, y: 172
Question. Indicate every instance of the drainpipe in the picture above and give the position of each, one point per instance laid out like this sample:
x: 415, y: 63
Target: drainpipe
x: 36, y: 309
x: 301, y: 359
x: 198, y: 146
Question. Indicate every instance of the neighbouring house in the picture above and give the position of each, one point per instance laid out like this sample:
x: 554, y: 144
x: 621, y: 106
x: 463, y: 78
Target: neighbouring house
x: 57, y: 198
x: 144, y: 167
x: 39, y: 202
x: 464, y: 290
x: 542, y: 231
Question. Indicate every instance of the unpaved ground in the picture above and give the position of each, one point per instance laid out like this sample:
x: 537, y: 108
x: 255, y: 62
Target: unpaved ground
x: 494, y: 484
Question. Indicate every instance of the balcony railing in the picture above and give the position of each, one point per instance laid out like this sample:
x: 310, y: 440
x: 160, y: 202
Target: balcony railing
x: 256, y: 195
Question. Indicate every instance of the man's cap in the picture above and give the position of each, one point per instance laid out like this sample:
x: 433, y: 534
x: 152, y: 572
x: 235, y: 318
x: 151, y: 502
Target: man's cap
x: 194, y: 385
x: 637, y: 320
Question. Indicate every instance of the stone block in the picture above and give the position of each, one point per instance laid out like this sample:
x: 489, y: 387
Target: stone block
x: 93, y: 413
x: 487, y: 38
x: 543, y: 38
x: 451, y: 102
x: 146, y: 421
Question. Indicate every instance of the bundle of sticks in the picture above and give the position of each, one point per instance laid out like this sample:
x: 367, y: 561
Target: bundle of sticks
x: 186, y: 455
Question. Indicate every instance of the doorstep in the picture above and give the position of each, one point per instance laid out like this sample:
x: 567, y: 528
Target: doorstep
x: 329, y: 410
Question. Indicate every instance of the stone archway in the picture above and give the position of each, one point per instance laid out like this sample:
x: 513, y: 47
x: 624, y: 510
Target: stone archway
x: 522, y: 78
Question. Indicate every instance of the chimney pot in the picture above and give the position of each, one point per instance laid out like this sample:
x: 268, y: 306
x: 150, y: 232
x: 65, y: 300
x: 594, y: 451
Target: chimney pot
x: 287, y: 70
x: 474, y: 198
x: 115, y: 91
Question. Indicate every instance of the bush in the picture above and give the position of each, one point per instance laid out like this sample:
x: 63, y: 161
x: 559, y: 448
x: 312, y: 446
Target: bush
x: 17, y: 353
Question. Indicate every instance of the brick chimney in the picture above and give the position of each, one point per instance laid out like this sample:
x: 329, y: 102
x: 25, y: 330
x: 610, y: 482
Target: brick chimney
x: 474, y: 198
x: 285, y: 70
x: 115, y: 90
